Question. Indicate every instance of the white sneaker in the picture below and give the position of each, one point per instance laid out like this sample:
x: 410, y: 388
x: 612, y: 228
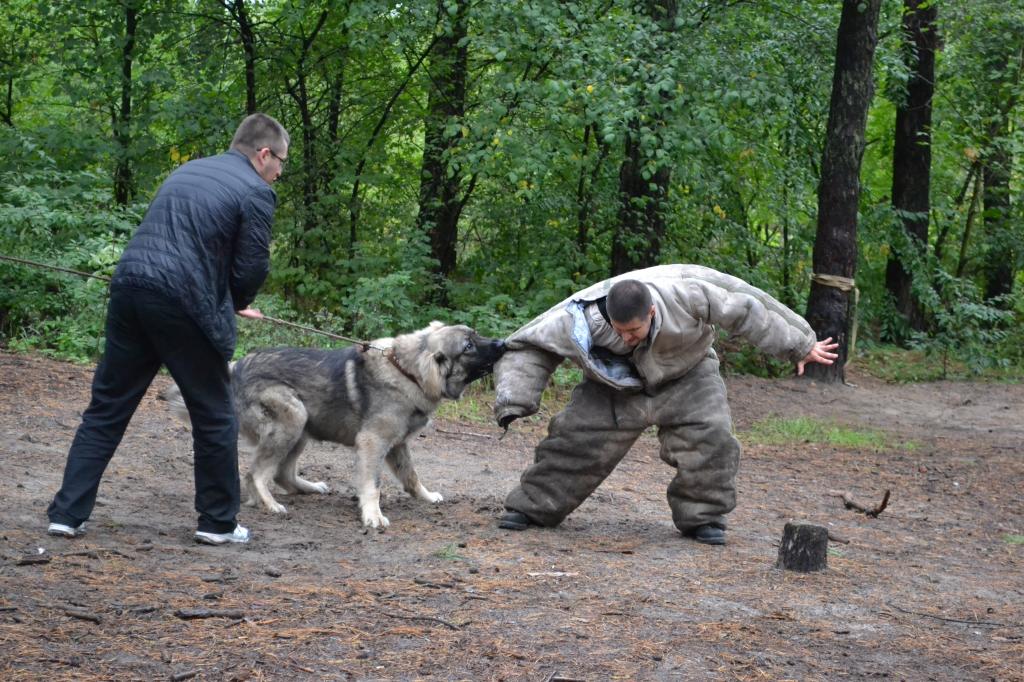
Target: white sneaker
x: 239, y: 534
x: 65, y: 531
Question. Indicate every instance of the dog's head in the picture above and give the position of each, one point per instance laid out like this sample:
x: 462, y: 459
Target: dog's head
x: 450, y: 357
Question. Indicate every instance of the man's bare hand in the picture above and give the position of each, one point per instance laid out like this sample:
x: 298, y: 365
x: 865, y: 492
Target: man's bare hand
x: 820, y: 353
x: 251, y: 313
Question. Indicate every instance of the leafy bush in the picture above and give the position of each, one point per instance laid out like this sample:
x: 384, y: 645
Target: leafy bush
x: 60, y: 218
x: 965, y: 327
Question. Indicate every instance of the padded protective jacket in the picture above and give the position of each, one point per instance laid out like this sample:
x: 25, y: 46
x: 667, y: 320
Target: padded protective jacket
x: 205, y: 243
x: 689, y: 300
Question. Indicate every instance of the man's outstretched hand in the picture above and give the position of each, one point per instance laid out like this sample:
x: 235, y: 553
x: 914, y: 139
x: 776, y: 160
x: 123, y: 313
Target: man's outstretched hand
x: 821, y: 353
x: 251, y: 313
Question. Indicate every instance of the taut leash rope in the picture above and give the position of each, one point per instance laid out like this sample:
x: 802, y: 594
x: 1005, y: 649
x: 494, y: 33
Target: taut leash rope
x: 363, y: 345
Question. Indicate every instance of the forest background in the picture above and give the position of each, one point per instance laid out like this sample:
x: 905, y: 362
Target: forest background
x: 477, y: 161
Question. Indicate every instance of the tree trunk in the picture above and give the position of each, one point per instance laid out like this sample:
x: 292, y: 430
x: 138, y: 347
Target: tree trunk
x: 123, y: 181
x: 310, y: 197
x: 1002, y: 247
x: 583, y: 200
x: 972, y: 212
x: 835, y: 244
x: 636, y: 242
x: 245, y: 33
x: 8, y: 115
x: 299, y: 91
x: 912, y: 157
x: 1002, y: 239
x: 385, y: 116
x: 440, y: 181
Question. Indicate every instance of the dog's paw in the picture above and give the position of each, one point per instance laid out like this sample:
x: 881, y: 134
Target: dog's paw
x: 431, y: 496
x: 373, y: 518
x: 319, y: 487
x: 277, y: 508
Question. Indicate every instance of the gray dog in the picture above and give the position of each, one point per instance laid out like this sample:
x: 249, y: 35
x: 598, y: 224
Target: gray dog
x: 374, y: 399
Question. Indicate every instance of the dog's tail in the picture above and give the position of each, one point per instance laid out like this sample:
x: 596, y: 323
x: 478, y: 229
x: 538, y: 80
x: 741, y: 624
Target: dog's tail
x: 172, y: 395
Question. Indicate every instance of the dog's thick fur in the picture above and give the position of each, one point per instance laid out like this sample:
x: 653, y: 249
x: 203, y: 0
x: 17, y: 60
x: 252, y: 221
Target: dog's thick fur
x: 374, y: 399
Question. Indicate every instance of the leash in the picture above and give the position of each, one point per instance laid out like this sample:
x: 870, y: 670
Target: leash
x: 25, y: 261
x: 363, y: 345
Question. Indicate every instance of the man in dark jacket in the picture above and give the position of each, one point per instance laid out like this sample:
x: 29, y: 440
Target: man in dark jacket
x: 199, y: 256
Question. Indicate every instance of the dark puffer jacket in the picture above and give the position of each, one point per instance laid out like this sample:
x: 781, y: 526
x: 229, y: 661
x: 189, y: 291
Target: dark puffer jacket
x: 205, y: 243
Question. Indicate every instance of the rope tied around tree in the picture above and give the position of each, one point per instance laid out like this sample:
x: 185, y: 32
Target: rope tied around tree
x: 846, y: 285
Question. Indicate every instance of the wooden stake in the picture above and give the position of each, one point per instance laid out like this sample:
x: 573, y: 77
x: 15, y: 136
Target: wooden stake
x: 804, y: 548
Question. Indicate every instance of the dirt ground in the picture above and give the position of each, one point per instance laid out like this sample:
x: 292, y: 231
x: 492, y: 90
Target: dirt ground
x: 932, y: 589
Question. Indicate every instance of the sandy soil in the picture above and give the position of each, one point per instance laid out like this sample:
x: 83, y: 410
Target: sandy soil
x: 932, y: 589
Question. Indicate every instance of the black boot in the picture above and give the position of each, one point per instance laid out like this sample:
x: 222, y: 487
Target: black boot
x: 513, y: 520
x: 706, y: 534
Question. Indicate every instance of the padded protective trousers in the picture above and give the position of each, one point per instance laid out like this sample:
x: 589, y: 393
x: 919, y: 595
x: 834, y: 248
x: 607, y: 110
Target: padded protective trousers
x: 588, y: 439
x: 144, y: 330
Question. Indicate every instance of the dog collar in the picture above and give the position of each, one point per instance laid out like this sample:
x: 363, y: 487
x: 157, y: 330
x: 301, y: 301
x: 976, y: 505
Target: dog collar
x: 390, y: 355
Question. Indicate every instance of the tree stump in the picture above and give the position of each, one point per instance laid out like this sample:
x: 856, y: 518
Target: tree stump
x: 804, y: 548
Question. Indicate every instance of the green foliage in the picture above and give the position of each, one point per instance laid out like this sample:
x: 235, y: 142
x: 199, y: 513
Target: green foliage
x: 965, y: 326
x: 1011, y: 539
x: 731, y: 99
x: 737, y: 357
x: 60, y: 218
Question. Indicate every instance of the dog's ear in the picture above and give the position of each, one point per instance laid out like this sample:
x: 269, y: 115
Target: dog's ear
x: 440, y: 358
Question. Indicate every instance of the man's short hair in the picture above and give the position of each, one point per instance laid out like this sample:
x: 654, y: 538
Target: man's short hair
x: 257, y: 131
x: 628, y: 300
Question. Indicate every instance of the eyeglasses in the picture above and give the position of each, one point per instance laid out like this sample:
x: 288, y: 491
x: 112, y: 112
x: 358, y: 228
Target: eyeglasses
x: 274, y: 154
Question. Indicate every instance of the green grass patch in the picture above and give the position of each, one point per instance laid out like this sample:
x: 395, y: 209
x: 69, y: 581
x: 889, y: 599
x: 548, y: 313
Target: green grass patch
x: 778, y: 431
x: 449, y: 552
x: 1013, y: 539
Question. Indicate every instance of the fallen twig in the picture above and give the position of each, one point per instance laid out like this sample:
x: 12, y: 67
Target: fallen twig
x: 835, y: 538
x: 851, y: 503
x: 469, y: 434
x: 218, y: 578
x: 189, y: 614
x: 427, y: 618
x: 82, y: 614
x: 951, y: 620
x: 31, y: 559
x: 184, y: 676
x: 427, y: 583
x: 95, y: 553
x: 556, y: 677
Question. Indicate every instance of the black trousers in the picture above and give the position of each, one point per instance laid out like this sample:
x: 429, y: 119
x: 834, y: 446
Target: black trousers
x: 144, y: 330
